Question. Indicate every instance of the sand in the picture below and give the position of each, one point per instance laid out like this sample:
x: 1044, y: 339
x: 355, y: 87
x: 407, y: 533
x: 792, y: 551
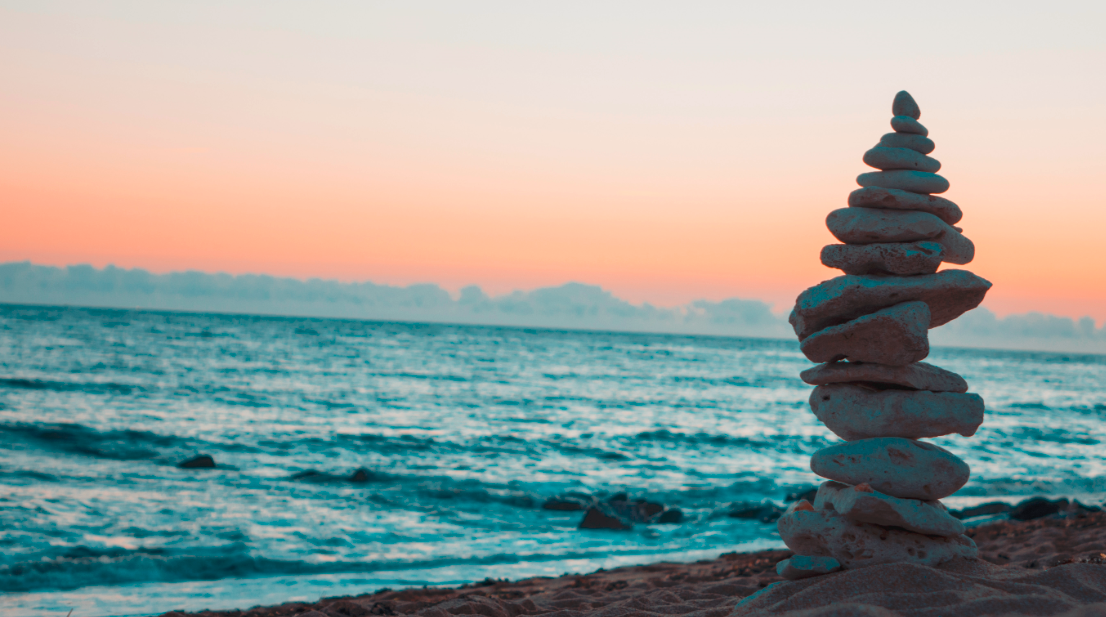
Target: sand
x: 1053, y: 566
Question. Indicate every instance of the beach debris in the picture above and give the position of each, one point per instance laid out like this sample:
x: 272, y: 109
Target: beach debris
x: 870, y: 330
x: 202, y: 461
x: 804, y: 566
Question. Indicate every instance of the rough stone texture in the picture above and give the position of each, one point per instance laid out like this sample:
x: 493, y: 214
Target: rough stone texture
x: 895, y: 336
x: 802, y: 566
x: 906, y: 124
x: 824, y: 533
x: 855, y: 412
x: 949, y: 294
x: 917, y: 143
x: 862, y: 504
x: 919, y: 376
x: 901, y: 259
x: 957, y: 248
x: 872, y: 225
x: 904, y: 105
x: 895, y: 199
x: 885, y: 158
x: 913, y: 181
x: 894, y: 466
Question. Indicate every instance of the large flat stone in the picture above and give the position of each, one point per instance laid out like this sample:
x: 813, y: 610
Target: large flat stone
x: 901, y: 259
x: 896, y: 199
x: 904, y: 105
x: 886, y: 159
x: 917, y: 143
x: 803, y: 566
x: 897, y: 336
x: 862, y: 504
x: 906, y: 124
x: 949, y: 294
x: 822, y: 533
x: 919, y: 376
x: 893, y: 465
x: 906, y: 180
x: 856, y: 412
x: 872, y: 225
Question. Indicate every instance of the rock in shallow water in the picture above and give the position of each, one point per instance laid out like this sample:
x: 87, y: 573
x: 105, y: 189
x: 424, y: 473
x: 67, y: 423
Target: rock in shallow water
x: 897, y: 199
x: 919, y: 376
x: 803, y: 566
x: 893, y: 465
x: 855, y: 412
x: 916, y: 143
x: 872, y: 226
x: 862, y: 504
x: 823, y: 533
x: 886, y: 159
x: 895, y: 336
x: 203, y: 461
x: 949, y: 294
x: 900, y: 259
x: 905, y: 180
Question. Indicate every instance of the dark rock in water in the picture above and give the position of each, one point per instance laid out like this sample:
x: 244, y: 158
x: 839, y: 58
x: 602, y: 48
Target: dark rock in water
x: 673, y: 515
x: 203, y: 461
x: 985, y: 509
x: 636, y: 510
x: 808, y: 494
x: 362, y: 475
x: 1037, y: 507
x: 567, y: 503
x: 618, y: 497
x: 600, y: 517
x: 766, y: 512
x: 308, y: 475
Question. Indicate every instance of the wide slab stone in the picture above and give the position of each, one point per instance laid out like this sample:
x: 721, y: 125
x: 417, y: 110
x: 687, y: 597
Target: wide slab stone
x: 895, y: 199
x: 913, y: 181
x: 854, y: 412
x: 803, y: 566
x: 872, y: 225
x: 904, y: 105
x: 949, y: 294
x: 917, y: 143
x: 863, y: 504
x: 882, y: 157
x: 906, y: 124
x: 897, y: 336
x: 821, y: 533
x: 893, y: 465
x: 902, y: 259
x: 919, y: 376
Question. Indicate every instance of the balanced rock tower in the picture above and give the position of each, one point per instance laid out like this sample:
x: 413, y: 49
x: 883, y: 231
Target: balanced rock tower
x: 870, y: 330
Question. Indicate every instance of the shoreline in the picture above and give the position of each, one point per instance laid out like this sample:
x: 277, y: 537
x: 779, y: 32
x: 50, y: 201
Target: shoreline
x: 1060, y: 561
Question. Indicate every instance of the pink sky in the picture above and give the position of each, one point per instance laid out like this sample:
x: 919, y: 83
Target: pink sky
x: 667, y: 156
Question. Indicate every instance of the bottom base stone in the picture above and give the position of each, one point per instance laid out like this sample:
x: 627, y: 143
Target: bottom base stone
x: 858, y: 545
x: 803, y: 566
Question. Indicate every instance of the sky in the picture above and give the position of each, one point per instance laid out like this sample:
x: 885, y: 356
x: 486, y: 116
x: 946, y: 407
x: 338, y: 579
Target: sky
x: 667, y: 152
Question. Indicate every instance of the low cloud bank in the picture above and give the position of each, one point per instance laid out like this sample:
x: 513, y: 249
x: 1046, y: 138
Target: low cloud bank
x: 572, y: 305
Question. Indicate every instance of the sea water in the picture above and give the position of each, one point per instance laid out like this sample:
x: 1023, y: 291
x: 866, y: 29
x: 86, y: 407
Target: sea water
x: 464, y: 432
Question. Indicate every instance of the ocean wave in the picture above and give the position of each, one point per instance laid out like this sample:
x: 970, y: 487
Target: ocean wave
x: 122, y: 445
x: 87, y: 387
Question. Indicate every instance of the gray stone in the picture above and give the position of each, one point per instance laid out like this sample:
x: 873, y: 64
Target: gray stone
x: 906, y: 124
x: 893, y: 465
x: 803, y: 566
x: 895, y: 199
x: 882, y: 157
x: 895, y: 336
x: 957, y: 249
x: 913, y: 181
x: 904, y: 105
x: 919, y: 376
x: 872, y: 225
x: 823, y: 533
x: 863, y: 504
x: 902, y: 259
x: 949, y: 294
x: 855, y: 412
x: 917, y: 143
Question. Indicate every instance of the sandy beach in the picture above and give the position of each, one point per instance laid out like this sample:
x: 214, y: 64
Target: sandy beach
x: 1049, y: 566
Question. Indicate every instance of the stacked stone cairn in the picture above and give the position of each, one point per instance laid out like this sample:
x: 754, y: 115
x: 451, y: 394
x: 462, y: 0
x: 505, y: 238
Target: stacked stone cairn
x: 869, y: 329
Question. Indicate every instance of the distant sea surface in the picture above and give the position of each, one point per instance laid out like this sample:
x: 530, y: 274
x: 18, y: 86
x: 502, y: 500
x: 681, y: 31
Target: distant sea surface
x: 464, y: 431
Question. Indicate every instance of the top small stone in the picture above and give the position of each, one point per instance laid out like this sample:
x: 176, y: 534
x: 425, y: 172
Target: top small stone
x: 904, y: 105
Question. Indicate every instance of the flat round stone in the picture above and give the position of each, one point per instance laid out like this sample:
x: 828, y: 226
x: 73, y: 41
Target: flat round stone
x: 913, y: 181
x: 863, y: 504
x: 917, y: 143
x: 895, y: 336
x: 904, y: 105
x: 882, y: 157
x: 895, y: 199
x: 902, y: 259
x: 855, y: 412
x: 906, y: 124
x: 956, y: 248
x: 872, y: 225
x: 919, y: 376
x: 894, y: 466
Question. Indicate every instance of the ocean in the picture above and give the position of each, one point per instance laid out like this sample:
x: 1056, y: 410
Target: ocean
x: 463, y: 431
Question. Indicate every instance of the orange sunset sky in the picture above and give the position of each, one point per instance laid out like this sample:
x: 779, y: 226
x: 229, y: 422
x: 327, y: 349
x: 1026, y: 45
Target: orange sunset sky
x: 665, y: 151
